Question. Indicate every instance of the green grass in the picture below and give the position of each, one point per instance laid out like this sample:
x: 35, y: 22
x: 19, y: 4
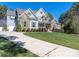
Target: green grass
x: 11, y: 49
x: 63, y: 39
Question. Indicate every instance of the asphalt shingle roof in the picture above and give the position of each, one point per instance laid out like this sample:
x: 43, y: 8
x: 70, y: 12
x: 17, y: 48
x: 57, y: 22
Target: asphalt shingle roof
x: 11, y: 12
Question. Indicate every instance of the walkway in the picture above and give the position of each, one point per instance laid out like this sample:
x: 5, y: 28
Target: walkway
x: 42, y: 48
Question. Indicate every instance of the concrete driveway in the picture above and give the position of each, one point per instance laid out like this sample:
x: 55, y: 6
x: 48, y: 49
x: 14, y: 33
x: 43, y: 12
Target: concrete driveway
x: 42, y: 48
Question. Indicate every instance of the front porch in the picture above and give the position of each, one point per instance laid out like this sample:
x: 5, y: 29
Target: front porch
x: 42, y: 27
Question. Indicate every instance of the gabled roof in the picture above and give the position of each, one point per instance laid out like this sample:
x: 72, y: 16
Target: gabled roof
x: 29, y: 10
x: 41, y: 9
x: 32, y: 12
x: 20, y: 11
x: 11, y: 12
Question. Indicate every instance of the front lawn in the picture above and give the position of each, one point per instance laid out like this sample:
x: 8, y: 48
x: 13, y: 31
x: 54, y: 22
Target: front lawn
x: 68, y: 40
x: 11, y: 49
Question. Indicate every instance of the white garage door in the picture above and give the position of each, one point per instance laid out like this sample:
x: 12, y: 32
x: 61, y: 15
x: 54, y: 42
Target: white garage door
x: 10, y: 28
x: 1, y: 28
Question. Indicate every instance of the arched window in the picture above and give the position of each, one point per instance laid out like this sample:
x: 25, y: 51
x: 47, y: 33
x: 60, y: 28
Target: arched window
x: 29, y: 13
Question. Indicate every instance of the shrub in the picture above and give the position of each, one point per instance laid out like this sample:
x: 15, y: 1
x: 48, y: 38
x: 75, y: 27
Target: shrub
x: 28, y: 30
x: 18, y: 27
x: 10, y: 49
x: 58, y: 30
x: 45, y: 30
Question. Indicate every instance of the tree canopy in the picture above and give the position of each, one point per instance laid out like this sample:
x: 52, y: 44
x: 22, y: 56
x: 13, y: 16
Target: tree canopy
x: 3, y: 9
x: 69, y: 20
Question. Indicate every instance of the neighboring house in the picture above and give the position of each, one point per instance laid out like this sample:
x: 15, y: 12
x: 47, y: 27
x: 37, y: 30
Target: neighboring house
x: 2, y: 19
x: 55, y: 25
x: 7, y: 21
x: 2, y: 22
x: 28, y: 19
x: 11, y: 20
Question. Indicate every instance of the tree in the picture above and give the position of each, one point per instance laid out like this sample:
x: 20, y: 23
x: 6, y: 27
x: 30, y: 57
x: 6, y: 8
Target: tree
x: 70, y: 19
x: 65, y: 20
x: 3, y: 10
x: 74, y: 24
x: 18, y: 27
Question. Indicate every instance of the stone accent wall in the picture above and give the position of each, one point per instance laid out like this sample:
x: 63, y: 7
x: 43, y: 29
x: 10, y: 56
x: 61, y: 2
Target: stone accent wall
x: 24, y: 18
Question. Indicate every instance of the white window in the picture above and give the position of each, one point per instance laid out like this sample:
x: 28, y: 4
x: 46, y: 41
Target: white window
x: 12, y: 17
x: 33, y: 24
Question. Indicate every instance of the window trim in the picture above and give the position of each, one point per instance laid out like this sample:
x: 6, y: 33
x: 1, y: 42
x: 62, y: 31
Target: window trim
x: 24, y: 23
x: 33, y: 24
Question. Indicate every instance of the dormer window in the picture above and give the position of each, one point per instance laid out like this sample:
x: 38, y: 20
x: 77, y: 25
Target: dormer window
x: 29, y: 13
x: 41, y: 12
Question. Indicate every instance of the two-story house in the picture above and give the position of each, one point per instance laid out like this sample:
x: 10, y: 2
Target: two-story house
x: 28, y: 19
x: 33, y: 19
x: 7, y: 21
x: 11, y: 20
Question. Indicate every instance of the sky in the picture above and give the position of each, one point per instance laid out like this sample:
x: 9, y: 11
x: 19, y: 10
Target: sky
x: 55, y: 8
